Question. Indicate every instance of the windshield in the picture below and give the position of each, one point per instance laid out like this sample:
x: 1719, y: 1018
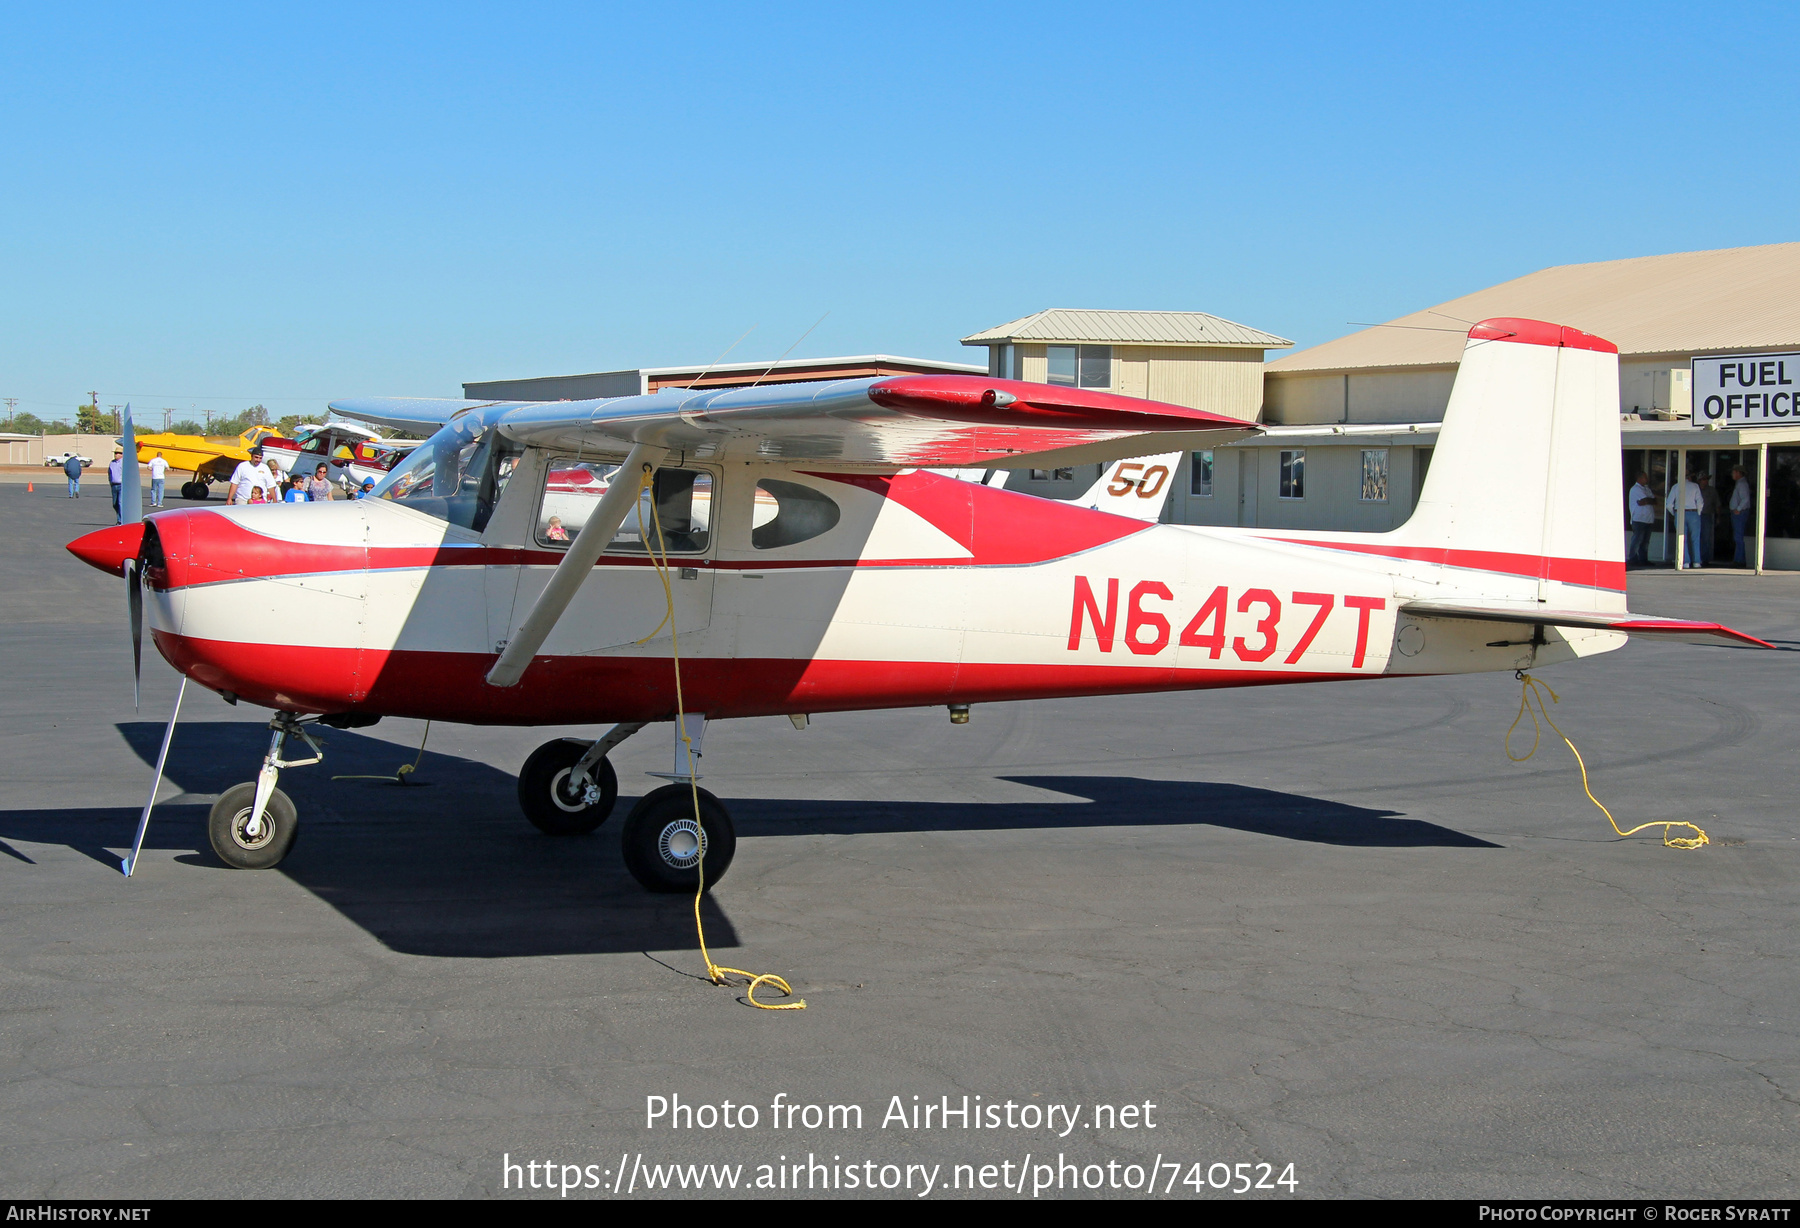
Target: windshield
x: 456, y: 475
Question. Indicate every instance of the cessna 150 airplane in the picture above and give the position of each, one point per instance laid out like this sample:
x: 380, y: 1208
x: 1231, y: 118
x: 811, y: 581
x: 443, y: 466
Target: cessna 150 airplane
x: 783, y: 551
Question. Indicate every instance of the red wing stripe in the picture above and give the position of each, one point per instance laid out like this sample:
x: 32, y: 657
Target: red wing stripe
x: 1589, y: 573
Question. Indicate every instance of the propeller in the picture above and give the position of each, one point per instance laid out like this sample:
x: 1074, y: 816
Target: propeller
x: 131, y: 511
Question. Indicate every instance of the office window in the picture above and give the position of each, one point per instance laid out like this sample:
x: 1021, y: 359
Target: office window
x: 1006, y: 362
x: 1053, y: 475
x: 1200, y: 476
x: 1085, y: 366
x: 1293, y: 474
x: 1375, y: 475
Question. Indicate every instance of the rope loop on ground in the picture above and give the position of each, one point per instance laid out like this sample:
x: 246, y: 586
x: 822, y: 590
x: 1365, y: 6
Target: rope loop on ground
x: 659, y: 559
x: 1531, y: 703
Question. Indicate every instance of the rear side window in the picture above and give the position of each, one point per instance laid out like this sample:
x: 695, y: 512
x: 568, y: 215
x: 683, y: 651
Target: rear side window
x: 683, y: 505
x: 787, y: 513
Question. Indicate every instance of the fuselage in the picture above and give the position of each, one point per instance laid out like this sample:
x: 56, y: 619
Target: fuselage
x: 921, y: 590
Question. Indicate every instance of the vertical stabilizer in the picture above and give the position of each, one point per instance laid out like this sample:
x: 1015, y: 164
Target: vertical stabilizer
x: 1527, y: 464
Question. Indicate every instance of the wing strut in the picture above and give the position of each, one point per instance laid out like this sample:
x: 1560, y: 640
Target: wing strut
x: 583, y: 553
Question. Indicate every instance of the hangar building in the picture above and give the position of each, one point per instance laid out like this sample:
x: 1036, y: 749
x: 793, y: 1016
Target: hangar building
x: 1355, y: 418
x: 643, y: 380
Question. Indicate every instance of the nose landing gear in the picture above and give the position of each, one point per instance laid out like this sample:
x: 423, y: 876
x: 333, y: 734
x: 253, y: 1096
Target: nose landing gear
x: 252, y: 826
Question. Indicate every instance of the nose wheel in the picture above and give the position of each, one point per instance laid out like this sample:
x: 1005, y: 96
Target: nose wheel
x: 245, y: 841
x: 252, y: 826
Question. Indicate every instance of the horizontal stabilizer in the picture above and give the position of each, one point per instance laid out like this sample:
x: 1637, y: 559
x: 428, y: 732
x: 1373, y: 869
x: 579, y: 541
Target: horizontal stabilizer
x: 1679, y: 630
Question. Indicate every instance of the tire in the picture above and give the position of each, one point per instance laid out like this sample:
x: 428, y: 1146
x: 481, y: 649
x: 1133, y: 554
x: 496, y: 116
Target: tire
x: 659, y: 831
x: 544, y: 797
x: 195, y: 491
x: 231, y: 813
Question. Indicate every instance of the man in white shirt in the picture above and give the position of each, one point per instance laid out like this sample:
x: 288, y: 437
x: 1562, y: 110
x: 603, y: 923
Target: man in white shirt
x: 159, y: 469
x: 1686, y: 501
x: 1640, y: 508
x: 251, y: 475
x: 1740, y: 515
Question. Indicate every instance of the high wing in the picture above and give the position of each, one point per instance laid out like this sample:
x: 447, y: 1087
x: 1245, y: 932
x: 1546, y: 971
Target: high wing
x: 1676, y: 630
x: 413, y: 415
x: 897, y: 421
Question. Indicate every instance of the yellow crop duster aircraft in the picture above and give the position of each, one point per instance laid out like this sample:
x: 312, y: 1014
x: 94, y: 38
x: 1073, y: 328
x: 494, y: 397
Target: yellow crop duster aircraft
x: 209, y: 459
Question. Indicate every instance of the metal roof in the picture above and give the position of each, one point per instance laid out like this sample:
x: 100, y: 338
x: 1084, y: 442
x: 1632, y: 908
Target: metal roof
x: 1129, y: 328
x: 1740, y: 298
x: 786, y: 364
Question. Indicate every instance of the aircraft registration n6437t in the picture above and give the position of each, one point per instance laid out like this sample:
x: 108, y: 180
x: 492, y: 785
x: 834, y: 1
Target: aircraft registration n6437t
x: 784, y: 550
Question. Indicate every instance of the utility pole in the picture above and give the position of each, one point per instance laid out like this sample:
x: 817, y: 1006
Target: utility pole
x: 12, y: 403
x: 116, y: 424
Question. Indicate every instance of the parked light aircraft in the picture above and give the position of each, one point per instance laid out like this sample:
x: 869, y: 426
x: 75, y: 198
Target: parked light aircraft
x: 209, y: 458
x: 349, y: 452
x: 814, y: 565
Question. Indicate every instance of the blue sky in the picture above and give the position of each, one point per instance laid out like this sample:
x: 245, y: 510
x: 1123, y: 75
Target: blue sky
x: 210, y: 206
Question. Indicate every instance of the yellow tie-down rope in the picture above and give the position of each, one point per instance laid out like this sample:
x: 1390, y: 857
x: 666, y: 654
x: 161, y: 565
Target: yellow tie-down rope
x: 659, y: 559
x: 1533, y: 690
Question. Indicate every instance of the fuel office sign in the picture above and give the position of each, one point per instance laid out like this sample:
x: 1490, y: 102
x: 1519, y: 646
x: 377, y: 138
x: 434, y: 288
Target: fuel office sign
x: 1746, y: 390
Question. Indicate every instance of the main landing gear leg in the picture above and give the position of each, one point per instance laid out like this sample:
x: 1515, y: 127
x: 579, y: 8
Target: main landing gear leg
x: 568, y: 787
x: 252, y: 826
x: 664, y: 846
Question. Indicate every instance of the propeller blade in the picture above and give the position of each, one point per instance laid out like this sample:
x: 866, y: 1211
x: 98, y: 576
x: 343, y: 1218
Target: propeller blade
x: 131, y: 511
x: 131, y: 491
x: 162, y: 757
x: 134, y: 604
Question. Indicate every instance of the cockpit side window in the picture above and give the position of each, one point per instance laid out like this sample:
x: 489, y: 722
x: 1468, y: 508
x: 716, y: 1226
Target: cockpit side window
x: 456, y: 475
x: 682, y: 505
x: 787, y: 513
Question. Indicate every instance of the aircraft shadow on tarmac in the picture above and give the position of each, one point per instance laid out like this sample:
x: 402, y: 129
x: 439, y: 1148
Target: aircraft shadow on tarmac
x: 449, y: 867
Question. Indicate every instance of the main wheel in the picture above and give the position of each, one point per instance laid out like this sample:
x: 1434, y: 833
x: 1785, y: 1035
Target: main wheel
x: 548, y: 800
x: 193, y: 490
x: 227, y: 827
x: 663, y: 846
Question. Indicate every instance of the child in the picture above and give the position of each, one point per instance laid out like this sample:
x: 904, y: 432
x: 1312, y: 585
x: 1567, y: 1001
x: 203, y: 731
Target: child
x: 257, y: 496
x: 556, y: 532
x: 296, y: 491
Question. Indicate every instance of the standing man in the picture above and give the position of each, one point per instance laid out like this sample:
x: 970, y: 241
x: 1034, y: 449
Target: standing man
x: 1709, y: 517
x: 251, y: 475
x: 159, y: 469
x: 72, y: 470
x: 1640, y: 506
x: 1685, y: 501
x: 1740, y: 515
x: 115, y: 474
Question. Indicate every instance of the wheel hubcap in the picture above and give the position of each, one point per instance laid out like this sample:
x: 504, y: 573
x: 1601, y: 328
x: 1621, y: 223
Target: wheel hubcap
x: 572, y: 800
x: 240, y: 824
x: 681, y: 844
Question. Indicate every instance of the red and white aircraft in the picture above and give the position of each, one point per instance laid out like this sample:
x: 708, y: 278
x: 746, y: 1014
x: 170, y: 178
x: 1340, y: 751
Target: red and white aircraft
x: 814, y: 566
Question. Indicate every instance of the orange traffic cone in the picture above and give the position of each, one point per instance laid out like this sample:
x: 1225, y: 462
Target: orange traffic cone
x: 30, y: 486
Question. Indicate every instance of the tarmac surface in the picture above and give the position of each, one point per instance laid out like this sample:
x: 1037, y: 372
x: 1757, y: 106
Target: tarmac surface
x: 1331, y: 927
